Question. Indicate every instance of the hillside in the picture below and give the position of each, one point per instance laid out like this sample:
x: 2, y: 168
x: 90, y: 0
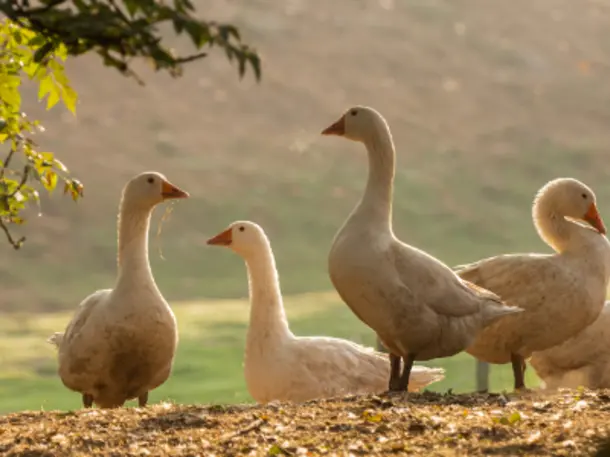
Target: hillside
x: 569, y: 424
x: 487, y: 101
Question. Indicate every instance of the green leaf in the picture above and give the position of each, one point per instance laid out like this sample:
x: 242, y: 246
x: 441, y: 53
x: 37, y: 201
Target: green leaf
x: 199, y: 33
x: 53, y: 98
x: 46, y: 86
x: 9, y: 91
x: 49, y: 180
x: 514, y: 417
x: 61, y: 51
x: 132, y: 6
x: 17, y: 36
x: 69, y: 97
x: 371, y: 416
x: 60, y: 165
x: 275, y: 450
x: 74, y: 187
x: 36, y: 41
x: 43, y: 51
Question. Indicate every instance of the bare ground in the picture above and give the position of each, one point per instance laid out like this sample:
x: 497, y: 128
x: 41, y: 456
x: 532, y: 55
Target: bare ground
x: 570, y: 423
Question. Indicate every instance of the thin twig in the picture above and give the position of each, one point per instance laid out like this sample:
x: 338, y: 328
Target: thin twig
x: 16, y: 244
x: 250, y: 428
x: 190, y: 58
x: 7, y: 162
x: 122, y: 15
x: 166, y: 214
x: 42, y: 9
x: 24, y: 178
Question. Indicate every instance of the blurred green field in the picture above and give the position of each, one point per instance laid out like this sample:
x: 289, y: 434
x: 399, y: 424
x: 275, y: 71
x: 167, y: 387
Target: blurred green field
x: 487, y: 101
x: 208, y: 365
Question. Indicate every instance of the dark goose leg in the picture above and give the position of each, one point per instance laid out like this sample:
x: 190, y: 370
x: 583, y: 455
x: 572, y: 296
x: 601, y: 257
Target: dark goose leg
x: 518, y: 371
x: 143, y: 399
x: 87, y: 400
x: 394, y: 373
x: 406, y: 371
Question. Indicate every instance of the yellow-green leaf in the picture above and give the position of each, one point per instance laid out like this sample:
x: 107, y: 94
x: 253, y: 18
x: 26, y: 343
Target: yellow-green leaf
x: 59, y: 164
x: 69, y: 98
x: 371, y: 416
x: 49, y: 180
x: 52, y: 99
x: 46, y: 86
x: 514, y: 417
x: 61, y: 51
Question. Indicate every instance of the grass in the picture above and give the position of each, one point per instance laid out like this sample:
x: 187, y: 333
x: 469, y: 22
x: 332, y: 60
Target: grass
x: 208, y: 366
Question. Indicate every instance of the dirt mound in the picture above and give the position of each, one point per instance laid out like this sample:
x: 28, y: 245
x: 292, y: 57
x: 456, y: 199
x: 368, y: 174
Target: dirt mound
x: 569, y: 423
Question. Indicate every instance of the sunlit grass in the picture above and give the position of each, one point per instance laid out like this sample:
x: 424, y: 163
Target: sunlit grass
x: 208, y: 366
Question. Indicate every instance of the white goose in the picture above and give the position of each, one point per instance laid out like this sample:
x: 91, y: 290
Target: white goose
x: 285, y: 367
x: 121, y: 342
x: 561, y: 293
x: 419, y: 308
x: 583, y: 360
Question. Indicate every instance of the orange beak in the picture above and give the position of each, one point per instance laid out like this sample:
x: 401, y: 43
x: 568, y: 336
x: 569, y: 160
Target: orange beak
x: 592, y: 217
x: 222, y: 239
x: 168, y: 190
x: 338, y: 128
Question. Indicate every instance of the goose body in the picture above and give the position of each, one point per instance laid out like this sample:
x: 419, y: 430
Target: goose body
x: 583, y: 360
x: 561, y: 293
x: 281, y: 366
x: 418, y: 307
x: 121, y: 342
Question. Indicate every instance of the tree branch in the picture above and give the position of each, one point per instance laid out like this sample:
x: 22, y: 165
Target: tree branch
x: 191, y: 58
x: 24, y: 178
x: 16, y: 244
x: 7, y: 162
x: 107, y: 28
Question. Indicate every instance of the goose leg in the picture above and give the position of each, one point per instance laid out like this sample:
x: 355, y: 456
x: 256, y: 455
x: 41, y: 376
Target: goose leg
x: 87, y: 400
x: 394, y: 372
x: 143, y: 399
x: 518, y: 371
x: 406, y: 371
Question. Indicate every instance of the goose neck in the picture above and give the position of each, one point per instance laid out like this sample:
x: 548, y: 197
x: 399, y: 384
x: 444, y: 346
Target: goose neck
x: 133, y: 227
x: 558, y: 232
x: 376, y: 203
x: 267, y: 316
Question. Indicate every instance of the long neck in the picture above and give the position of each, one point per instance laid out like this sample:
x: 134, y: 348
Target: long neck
x: 267, y: 317
x: 559, y: 233
x: 133, y: 264
x: 376, y: 204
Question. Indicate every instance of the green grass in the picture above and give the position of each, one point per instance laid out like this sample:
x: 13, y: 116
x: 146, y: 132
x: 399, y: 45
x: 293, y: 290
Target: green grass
x: 208, y: 366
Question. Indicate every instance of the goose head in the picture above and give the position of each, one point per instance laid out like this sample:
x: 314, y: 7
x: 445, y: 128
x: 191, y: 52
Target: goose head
x: 571, y: 199
x: 149, y: 189
x: 243, y: 237
x: 358, y: 123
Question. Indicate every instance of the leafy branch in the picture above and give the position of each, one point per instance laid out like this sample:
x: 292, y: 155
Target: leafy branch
x: 35, y: 41
x: 120, y: 30
x: 18, y: 48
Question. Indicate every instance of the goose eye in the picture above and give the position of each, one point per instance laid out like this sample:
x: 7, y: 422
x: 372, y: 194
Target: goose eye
x: 241, y: 229
x: 353, y: 112
x: 584, y: 196
x: 151, y: 180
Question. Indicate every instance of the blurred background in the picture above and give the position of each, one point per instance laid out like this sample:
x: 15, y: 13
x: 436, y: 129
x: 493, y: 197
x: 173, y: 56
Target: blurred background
x: 487, y: 101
